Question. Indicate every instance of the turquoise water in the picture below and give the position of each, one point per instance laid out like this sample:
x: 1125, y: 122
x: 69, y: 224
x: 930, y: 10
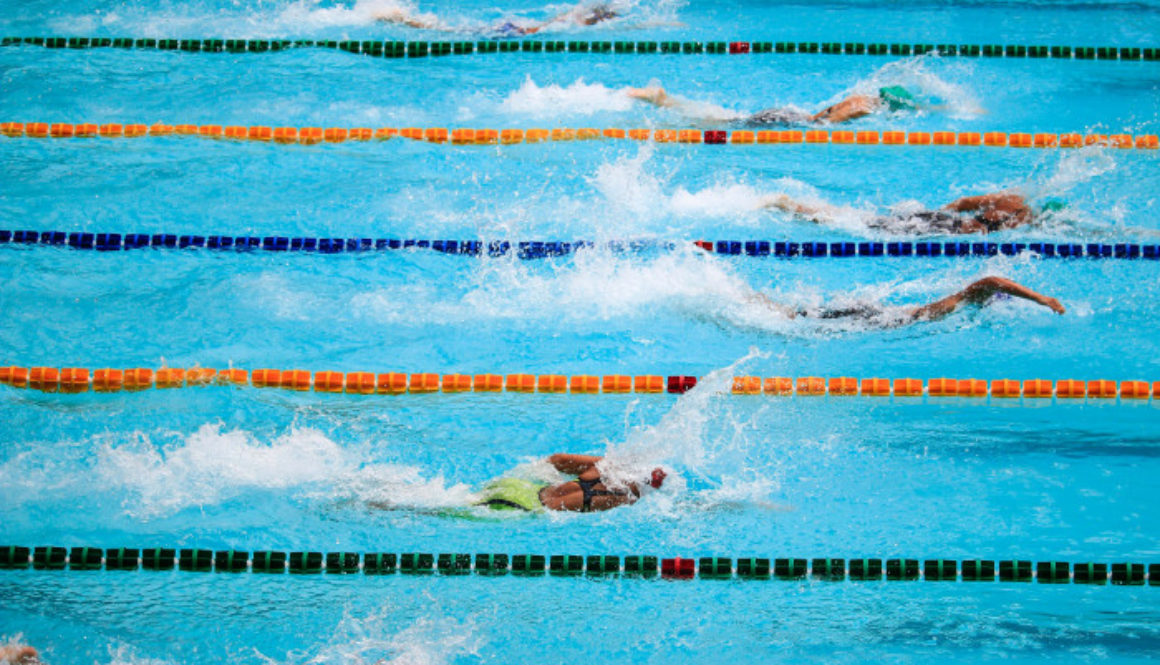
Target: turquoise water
x: 750, y: 476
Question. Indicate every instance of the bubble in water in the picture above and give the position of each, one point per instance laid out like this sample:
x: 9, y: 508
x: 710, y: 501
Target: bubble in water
x: 124, y: 654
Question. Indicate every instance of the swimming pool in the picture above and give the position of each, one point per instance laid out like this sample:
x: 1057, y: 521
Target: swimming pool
x: 251, y: 469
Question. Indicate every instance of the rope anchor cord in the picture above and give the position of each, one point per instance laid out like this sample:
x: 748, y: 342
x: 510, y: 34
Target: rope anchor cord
x: 421, y: 49
x: 78, y: 380
x: 511, y: 136
x: 643, y: 566
x: 104, y: 242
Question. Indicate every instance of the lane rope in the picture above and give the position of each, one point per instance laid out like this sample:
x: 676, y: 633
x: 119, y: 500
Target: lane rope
x: 80, y: 379
x: 420, y: 49
x: 108, y: 242
x: 642, y: 566
x: 468, y: 136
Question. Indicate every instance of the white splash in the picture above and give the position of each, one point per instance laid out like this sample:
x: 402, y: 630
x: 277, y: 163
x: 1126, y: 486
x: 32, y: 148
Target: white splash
x: 314, y: 14
x: 375, y: 639
x: 124, y: 654
x: 212, y: 465
x: 553, y: 101
x: 916, y: 75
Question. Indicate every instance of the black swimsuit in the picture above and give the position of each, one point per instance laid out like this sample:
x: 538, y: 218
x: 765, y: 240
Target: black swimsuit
x: 588, y: 488
x: 860, y: 311
x: 776, y: 118
x: 929, y: 221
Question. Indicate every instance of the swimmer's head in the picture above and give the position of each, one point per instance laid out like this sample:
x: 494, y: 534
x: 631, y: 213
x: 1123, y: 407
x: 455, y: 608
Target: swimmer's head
x: 897, y: 98
x: 599, y: 13
x: 1053, y: 205
x: 657, y: 478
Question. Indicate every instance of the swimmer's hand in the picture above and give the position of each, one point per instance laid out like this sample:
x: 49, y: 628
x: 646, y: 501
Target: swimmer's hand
x: 1054, y: 304
x: 778, y: 201
x: 652, y: 94
x: 392, y: 15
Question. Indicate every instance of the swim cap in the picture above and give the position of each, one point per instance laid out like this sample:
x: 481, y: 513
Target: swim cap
x: 897, y: 98
x: 603, y: 13
x: 658, y: 478
x: 1052, y: 205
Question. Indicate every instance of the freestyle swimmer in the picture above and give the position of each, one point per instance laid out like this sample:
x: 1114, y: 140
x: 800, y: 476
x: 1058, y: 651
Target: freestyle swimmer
x: 979, y: 293
x: 588, y: 493
x: 989, y: 213
x: 580, y: 16
x: 892, y: 98
x: 18, y: 654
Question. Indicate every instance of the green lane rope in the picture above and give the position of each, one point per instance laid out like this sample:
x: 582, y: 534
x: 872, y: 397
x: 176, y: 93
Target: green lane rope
x: 399, y: 49
x: 381, y: 563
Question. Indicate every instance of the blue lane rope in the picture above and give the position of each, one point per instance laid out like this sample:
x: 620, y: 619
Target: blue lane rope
x: 105, y: 242
x: 830, y: 569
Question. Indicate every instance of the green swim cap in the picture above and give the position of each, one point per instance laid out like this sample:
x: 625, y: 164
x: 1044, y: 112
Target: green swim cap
x: 897, y: 98
x: 1052, y: 205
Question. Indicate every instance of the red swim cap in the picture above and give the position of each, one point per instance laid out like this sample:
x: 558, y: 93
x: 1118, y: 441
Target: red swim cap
x: 658, y: 477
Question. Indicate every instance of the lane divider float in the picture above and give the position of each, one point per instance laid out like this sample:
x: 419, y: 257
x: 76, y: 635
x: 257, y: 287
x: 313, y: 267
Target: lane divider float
x: 560, y: 565
x: 468, y: 136
x: 107, y: 242
x: 421, y: 49
x: 80, y: 379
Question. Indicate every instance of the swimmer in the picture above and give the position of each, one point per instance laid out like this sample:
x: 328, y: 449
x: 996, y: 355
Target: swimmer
x: 578, y: 16
x: 979, y: 293
x: 588, y: 493
x: 17, y: 654
x: 994, y: 212
x: 892, y: 98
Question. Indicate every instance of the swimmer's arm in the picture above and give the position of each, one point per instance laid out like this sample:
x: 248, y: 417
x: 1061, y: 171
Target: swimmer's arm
x: 400, y: 17
x: 850, y: 108
x: 573, y: 465
x: 759, y: 298
x: 814, y: 213
x: 1005, y: 209
x: 995, y: 200
x: 978, y: 292
x: 654, y: 95
x: 19, y: 654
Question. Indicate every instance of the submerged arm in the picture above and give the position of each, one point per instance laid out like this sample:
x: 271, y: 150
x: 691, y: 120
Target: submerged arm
x: 819, y: 213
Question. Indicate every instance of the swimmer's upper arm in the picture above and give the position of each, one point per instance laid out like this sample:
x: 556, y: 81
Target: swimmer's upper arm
x: 573, y: 464
x: 1014, y: 201
x: 967, y: 203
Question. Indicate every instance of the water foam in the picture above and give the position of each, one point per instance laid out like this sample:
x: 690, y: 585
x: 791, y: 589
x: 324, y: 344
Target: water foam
x: 593, y: 286
x: 552, y: 18
x: 211, y: 465
x: 124, y: 654
x: 553, y: 100
x: 316, y: 14
x: 373, y: 638
x: 702, y: 437
x: 638, y: 196
x: 916, y: 75
x: 596, y: 286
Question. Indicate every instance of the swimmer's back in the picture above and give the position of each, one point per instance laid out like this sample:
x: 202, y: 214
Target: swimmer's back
x: 783, y: 117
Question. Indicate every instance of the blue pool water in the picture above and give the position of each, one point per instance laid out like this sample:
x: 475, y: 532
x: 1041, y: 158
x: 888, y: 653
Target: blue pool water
x: 252, y: 469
